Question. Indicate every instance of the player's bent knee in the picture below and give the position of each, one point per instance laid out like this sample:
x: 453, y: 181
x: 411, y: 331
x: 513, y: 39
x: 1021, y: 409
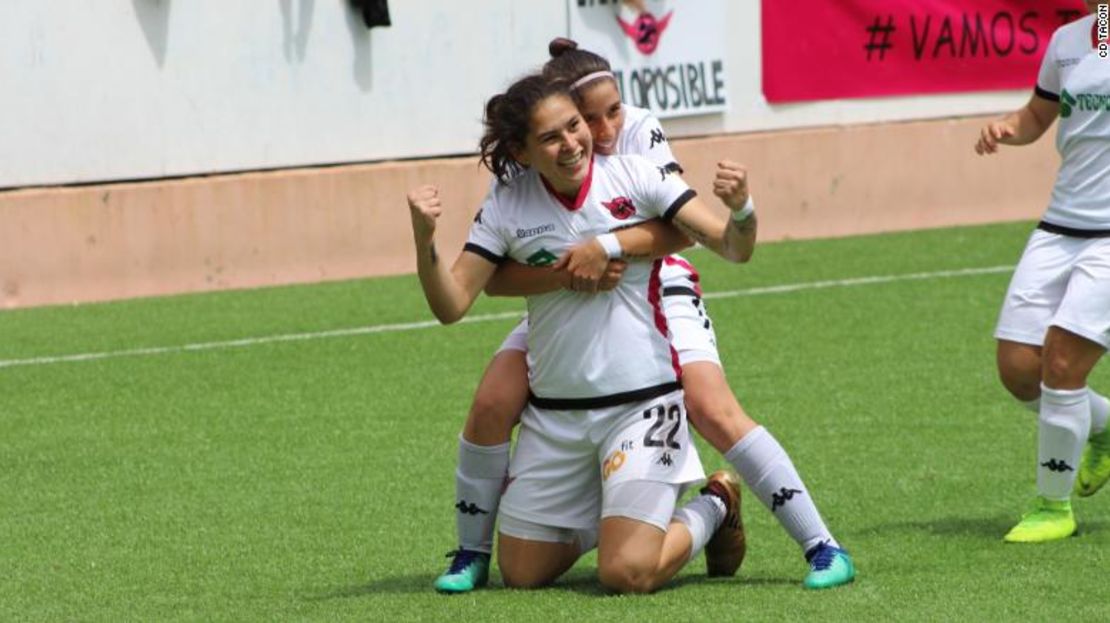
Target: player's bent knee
x: 522, y: 579
x: 1060, y: 371
x: 518, y: 572
x: 619, y: 577
x: 1019, y: 370
x: 1022, y: 387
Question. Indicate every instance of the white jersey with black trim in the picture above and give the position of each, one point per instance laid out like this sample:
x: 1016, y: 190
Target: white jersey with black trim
x: 642, y: 134
x: 585, y: 347
x: 1073, y: 74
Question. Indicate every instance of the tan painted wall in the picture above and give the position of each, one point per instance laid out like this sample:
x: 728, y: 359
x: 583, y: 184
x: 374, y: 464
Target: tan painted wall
x: 63, y: 245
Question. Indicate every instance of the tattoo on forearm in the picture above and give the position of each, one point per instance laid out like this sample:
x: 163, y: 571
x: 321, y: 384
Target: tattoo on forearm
x: 433, y: 255
x: 635, y: 256
x: 696, y: 234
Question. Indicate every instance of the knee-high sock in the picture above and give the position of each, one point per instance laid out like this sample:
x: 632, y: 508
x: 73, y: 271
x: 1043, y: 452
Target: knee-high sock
x: 1063, y: 425
x: 701, y: 516
x: 769, y: 472
x: 1100, y: 409
x: 478, y: 481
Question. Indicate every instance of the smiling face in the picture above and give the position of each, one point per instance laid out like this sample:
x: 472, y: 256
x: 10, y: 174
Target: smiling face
x: 558, y: 144
x: 600, y: 104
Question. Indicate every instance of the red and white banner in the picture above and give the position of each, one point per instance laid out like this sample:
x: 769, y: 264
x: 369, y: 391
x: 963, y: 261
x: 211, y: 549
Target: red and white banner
x: 822, y: 49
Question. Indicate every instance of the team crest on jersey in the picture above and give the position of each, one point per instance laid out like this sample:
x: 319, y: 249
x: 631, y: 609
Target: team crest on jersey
x: 620, y: 207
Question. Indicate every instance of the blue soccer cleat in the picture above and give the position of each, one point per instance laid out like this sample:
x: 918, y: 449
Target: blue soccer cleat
x: 469, y: 570
x: 828, y: 567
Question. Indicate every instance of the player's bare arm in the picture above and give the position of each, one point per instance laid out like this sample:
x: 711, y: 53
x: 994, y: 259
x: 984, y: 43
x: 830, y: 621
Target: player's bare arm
x: 732, y: 238
x: 450, y: 292
x: 587, y: 267
x: 1020, y: 127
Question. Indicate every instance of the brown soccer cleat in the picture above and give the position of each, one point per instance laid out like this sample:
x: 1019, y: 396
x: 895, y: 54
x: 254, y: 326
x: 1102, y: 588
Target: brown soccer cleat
x: 725, y: 550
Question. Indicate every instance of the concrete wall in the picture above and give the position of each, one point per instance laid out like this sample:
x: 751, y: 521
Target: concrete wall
x: 100, y: 242
x: 141, y: 89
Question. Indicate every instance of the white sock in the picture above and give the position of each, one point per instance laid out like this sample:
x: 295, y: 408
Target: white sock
x: 768, y: 471
x: 702, y: 516
x: 1063, y: 425
x: 1100, y: 409
x: 478, y: 481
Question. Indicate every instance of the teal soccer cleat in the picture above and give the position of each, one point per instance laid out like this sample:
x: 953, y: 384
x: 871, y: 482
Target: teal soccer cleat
x: 469, y: 570
x: 828, y: 567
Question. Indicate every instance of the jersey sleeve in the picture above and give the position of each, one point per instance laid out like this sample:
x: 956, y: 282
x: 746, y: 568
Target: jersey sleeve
x: 486, y: 238
x: 647, y: 139
x: 661, y: 193
x: 1048, y: 80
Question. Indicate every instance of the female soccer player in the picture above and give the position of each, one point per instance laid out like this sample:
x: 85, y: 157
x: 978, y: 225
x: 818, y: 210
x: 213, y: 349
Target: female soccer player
x: 604, y: 433
x: 714, y: 411
x: 1055, y: 320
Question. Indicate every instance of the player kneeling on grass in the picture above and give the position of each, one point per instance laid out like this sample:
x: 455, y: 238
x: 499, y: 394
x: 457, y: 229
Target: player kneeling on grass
x: 712, y: 408
x: 605, y: 432
x: 1055, y: 320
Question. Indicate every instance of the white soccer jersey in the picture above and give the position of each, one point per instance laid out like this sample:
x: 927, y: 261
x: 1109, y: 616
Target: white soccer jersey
x: 611, y: 345
x: 1073, y: 74
x: 642, y: 134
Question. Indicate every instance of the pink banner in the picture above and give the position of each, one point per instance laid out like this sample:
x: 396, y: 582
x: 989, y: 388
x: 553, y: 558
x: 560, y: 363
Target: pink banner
x: 832, y: 49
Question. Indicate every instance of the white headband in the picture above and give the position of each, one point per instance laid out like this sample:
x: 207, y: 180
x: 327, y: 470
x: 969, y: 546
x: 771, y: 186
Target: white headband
x: 590, y: 78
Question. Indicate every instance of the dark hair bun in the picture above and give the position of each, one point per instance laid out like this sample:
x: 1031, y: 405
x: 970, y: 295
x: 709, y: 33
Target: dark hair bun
x: 560, y: 46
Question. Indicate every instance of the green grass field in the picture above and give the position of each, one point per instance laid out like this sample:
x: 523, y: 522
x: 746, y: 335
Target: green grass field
x: 312, y: 479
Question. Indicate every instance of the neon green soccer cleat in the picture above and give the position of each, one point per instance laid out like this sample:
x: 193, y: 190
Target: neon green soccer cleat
x: 1094, y: 467
x: 1047, y: 520
x: 469, y: 570
x: 828, y: 567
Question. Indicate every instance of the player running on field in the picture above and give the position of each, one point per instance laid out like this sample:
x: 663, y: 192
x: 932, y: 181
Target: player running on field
x: 1055, y: 320
x: 713, y: 409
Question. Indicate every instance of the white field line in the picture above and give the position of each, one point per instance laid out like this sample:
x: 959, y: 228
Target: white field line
x: 414, y: 326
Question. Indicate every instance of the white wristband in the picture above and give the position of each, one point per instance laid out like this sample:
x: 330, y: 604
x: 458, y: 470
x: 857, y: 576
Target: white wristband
x: 611, y: 245
x: 745, y: 212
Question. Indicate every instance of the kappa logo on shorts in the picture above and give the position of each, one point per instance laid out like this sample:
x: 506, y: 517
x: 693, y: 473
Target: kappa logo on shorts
x: 666, y: 460
x: 620, y: 207
x: 612, y: 463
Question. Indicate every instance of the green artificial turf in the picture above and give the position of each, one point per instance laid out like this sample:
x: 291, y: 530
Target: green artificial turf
x: 313, y: 479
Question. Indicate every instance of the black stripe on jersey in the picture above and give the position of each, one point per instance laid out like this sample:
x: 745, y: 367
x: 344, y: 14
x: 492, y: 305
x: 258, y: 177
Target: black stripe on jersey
x: 1073, y: 232
x: 484, y: 252
x: 601, y: 402
x: 1048, y: 95
x: 679, y: 291
x: 678, y: 203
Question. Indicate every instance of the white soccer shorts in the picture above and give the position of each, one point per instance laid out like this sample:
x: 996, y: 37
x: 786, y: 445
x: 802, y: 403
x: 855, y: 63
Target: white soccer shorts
x: 691, y: 329
x: 565, y: 461
x: 1060, y: 281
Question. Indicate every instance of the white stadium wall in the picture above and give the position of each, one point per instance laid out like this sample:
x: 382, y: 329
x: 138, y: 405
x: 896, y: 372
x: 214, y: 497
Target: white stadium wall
x: 119, y: 95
